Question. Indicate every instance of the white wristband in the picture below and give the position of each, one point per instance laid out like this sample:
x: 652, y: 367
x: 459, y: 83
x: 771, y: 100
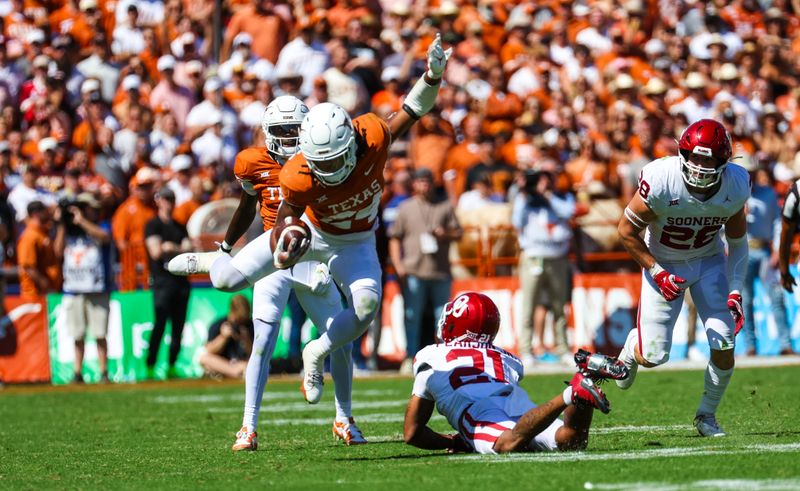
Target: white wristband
x: 225, y: 247
x: 655, y: 269
x: 567, y: 395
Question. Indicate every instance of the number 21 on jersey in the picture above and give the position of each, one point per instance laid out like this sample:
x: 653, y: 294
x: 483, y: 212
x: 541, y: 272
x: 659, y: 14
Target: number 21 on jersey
x: 476, y: 374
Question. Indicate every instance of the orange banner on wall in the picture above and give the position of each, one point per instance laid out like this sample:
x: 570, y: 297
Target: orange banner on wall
x: 24, y: 347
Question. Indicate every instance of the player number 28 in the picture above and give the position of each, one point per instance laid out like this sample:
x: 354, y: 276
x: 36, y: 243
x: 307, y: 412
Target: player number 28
x: 684, y: 238
x: 476, y: 373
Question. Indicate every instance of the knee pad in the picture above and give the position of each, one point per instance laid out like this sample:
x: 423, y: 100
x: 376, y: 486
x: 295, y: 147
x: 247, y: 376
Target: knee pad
x: 365, y: 305
x: 224, y: 276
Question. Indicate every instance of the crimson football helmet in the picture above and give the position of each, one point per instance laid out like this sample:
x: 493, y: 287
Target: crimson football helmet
x: 471, y: 316
x: 705, y: 138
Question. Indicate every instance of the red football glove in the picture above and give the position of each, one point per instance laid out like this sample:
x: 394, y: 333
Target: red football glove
x: 669, y: 284
x: 735, y: 307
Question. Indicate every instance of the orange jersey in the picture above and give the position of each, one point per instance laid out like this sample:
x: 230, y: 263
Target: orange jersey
x: 258, y: 174
x: 351, y: 206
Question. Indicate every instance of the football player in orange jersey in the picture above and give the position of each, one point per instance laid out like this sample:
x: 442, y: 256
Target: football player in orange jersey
x: 337, y: 179
x: 257, y: 170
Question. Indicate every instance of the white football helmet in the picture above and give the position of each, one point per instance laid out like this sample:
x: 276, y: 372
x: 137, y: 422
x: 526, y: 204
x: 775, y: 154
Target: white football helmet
x: 281, y: 125
x: 328, y: 142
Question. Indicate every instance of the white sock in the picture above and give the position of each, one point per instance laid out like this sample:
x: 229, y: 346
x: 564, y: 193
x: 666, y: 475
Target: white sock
x: 255, y: 379
x: 567, y: 394
x: 716, y: 382
x: 630, y: 347
x: 342, y: 374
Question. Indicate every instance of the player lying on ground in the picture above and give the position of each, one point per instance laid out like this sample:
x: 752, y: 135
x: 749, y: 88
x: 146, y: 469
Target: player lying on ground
x: 682, y: 204
x: 337, y: 181
x: 475, y: 385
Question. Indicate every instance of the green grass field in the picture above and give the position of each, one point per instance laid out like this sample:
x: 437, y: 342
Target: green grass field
x: 179, y: 435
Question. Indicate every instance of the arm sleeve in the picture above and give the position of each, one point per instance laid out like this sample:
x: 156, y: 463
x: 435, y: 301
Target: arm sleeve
x: 738, y: 251
x: 421, y: 382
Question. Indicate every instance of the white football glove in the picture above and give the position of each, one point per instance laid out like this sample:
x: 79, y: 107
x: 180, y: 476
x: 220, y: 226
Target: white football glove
x: 437, y: 58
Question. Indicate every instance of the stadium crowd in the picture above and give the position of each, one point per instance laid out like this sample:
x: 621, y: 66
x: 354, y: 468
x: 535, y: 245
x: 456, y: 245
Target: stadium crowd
x: 112, y: 101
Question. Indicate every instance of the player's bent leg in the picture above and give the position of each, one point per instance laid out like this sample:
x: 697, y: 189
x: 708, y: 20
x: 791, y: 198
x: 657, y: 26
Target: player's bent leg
x: 650, y: 342
x: 347, y: 326
x: 225, y: 277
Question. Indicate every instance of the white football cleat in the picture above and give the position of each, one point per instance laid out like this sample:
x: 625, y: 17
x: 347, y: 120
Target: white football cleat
x: 707, y: 425
x: 245, y: 440
x: 193, y: 263
x: 632, y: 367
x: 313, y: 379
x: 348, y: 432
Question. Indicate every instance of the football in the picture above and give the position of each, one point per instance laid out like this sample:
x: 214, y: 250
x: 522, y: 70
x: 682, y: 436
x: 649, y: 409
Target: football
x: 284, y: 233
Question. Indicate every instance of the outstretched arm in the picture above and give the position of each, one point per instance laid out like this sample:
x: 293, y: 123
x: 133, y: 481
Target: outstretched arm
x: 416, y: 431
x: 422, y: 96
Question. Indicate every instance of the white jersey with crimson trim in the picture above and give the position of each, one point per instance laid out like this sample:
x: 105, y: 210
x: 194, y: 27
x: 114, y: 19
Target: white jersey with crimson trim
x: 687, y: 228
x: 455, y: 375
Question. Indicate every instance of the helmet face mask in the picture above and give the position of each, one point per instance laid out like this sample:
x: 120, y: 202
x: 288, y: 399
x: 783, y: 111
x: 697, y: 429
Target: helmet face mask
x: 704, y: 150
x: 328, y: 143
x: 281, y: 126
x: 470, y: 317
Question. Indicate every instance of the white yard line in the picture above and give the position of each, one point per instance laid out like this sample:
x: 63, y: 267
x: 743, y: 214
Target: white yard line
x: 268, y: 396
x: 710, y: 485
x: 638, y: 455
x: 638, y: 429
x: 304, y: 406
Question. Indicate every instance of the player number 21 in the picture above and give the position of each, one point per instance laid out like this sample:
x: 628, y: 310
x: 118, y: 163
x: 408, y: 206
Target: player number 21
x: 475, y: 374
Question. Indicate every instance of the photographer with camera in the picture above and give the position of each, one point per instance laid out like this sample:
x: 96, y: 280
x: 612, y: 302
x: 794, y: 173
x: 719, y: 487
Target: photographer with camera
x: 230, y: 341
x: 541, y: 216
x: 85, y: 247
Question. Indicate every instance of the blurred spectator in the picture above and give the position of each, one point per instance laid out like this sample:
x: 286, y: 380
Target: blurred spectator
x: 168, y: 95
x: 204, y: 115
x: 38, y: 257
x: 269, y: 30
x: 181, y: 167
x: 230, y: 341
x: 541, y: 216
x: 479, y: 195
x: 128, y: 227
x: 763, y: 225
x: 27, y: 192
x: 196, y: 199
x: 304, y: 55
x: 99, y: 66
x: 430, y: 140
x: 419, y: 245
x: 464, y: 157
x: 165, y: 239
x: 344, y: 88
x: 84, y: 246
